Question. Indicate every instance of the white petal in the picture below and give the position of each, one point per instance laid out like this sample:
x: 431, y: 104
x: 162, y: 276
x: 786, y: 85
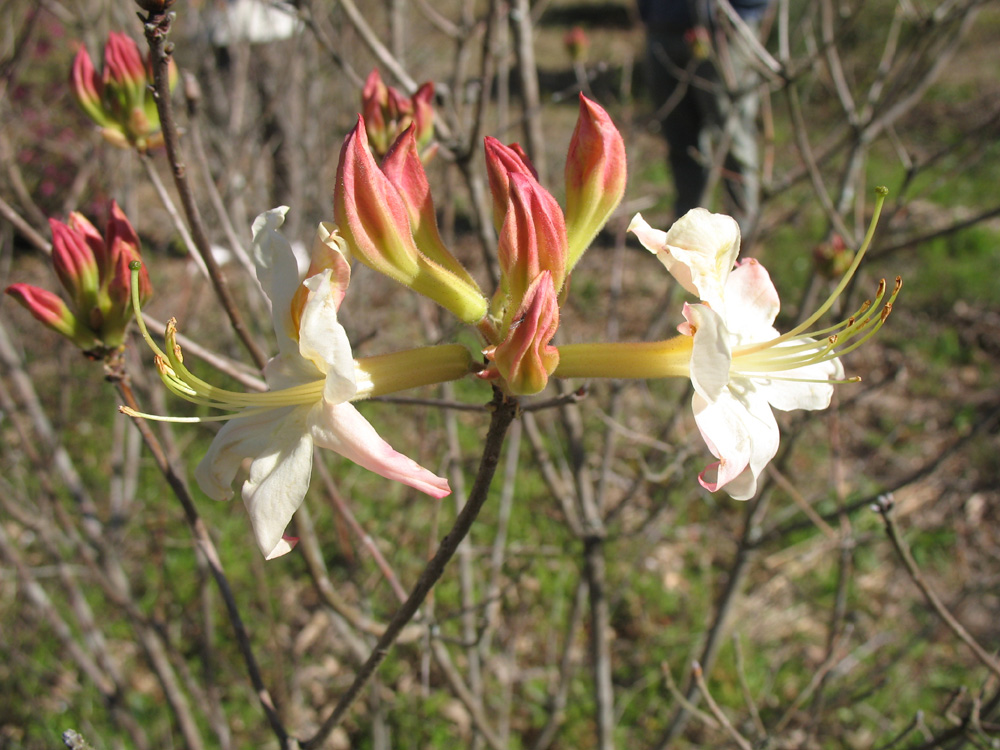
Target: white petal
x: 701, y: 248
x: 341, y: 428
x: 289, y: 369
x: 323, y: 341
x: 241, y: 437
x: 278, y: 270
x: 740, y: 430
x: 751, y: 303
x: 279, y: 479
x: 711, y: 356
x: 791, y: 394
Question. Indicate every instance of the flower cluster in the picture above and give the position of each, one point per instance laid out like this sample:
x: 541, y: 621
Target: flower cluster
x: 94, y: 271
x: 119, y: 99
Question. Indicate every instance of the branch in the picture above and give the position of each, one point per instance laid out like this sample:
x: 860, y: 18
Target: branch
x: 885, y: 506
x: 156, y: 28
x: 504, y: 411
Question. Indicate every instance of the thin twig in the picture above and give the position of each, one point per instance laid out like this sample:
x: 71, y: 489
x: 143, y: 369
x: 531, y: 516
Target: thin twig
x: 157, y: 27
x: 885, y: 506
x: 717, y: 712
x: 204, y: 541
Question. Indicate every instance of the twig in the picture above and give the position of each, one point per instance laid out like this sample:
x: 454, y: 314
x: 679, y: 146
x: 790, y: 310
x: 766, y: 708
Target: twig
x: 27, y: 231
x: 699, y: 679
x: 204, y: 541
x: 156, y: 28
x: 556, y: 707
x: 884, y: 506
x: 504, y: 411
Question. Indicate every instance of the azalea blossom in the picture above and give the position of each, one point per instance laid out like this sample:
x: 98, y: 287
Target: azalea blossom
x: 311, y: 382
x: 740, y: 366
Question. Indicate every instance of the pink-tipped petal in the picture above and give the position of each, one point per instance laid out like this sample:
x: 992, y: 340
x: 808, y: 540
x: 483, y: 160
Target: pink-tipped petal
x: 342, y: 429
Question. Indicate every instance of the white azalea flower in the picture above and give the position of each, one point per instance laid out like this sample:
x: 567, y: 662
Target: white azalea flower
x: 311, y: 382
x: 739, y: 365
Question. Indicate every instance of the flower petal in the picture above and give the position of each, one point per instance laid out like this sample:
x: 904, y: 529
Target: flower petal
x: 241, y: 437
x: 711, y: 356
x: 751, y: 302
x: 279, y: 271
x: 341, y: 428
x: 787, y: 395
x: 323, y: 341
x: 279, y: 479
x: 698, y: 250
x: 741, y: 432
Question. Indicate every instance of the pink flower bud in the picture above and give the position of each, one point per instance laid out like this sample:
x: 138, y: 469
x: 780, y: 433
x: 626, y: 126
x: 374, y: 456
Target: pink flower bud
x: 595, y: 176
x: 371, y: 213
x: 501, y: 161
x: 124, y: 74
x: 76, y: 267
x: 388, y: 113
x: 374, y: 103
x: 405, y: 170
x: 375, y: 221
x: 532, y: 240
x: 87, y: 87
x: 576, y: 43
x: 50, y: 310
x: 123, y: 245
x: 525, y: 359
x: 423, y: 115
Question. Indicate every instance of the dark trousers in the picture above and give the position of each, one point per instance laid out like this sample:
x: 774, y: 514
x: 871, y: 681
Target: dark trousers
x: 703, y: 110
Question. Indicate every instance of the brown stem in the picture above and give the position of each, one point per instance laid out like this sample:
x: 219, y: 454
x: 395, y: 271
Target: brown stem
x: 156, y: 28
x: 885, y: 508
x: 504, y: 411
x: 204, y: 541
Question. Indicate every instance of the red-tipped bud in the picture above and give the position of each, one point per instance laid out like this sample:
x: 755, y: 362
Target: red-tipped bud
x: 76, y: 267
x: 388, y: 113
x: 595, y: 176
x: 576, y: 43
x: 371, y: 213
x: 375, y: 222
x: 501, y: 161
x: 124, y: 73
x: 524, y: 359
x: 405, y: 170
x: 374, y: 103
x: 50, y: 310
x: 123, y: 243
x: 423, y: 115
x: 87, y: 87
x: 532, y: 240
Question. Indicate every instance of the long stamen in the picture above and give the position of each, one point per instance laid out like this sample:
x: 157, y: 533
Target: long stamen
x: 880, y: 196
x: 852, y: 333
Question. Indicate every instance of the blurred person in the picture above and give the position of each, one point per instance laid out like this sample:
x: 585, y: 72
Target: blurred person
x: 702, y: 107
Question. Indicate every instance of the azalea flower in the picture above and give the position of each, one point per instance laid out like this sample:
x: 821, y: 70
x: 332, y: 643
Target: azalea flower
x: 740, y: 366
x: 311, y: 381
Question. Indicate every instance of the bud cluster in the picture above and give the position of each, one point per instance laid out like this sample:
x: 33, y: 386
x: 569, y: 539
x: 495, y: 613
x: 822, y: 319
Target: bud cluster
x: 388, y: 220
x: 388, y: 114
x: 95, y: 273
x: 119, y: 99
